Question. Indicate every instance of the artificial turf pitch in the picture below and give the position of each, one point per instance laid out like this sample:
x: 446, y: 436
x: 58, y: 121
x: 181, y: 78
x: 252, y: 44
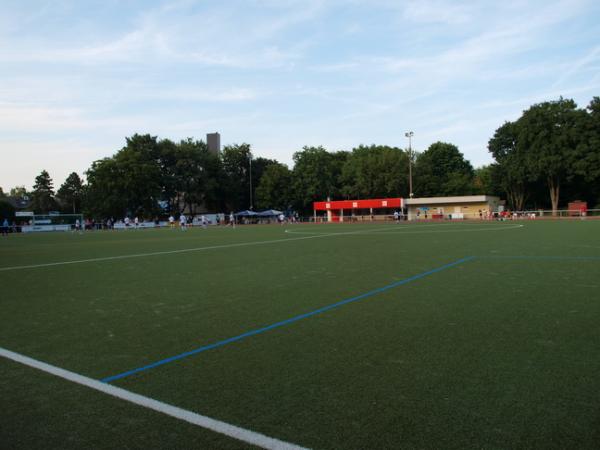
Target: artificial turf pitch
x: 445, y: 335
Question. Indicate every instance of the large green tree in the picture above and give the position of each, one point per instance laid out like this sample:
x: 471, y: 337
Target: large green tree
x: 552, y: 135
x: 127, y: 183
x: 43, y: 193
x: 316, y: 176
x: 194, y: 172
x: 7, y: 211
x: 442, y: 170
x: 241, y: 176
x: 70, y: 193
x: 148, y: 175
x: 259, y: 166
x: 104, y: 194
x: 236, y: 170
x: 485, y: 182
x: 588, y: 164
x: 375, y: 171
x: 275, y: 188
x: 511, y: 166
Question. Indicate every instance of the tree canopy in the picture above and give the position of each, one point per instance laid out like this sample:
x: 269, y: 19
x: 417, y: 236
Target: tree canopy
x: 70, y: 193
x: 375, y: 172
x: 275, y: 189
x: 442, y: 170
x: 43, y: 193
x: 317, y: 175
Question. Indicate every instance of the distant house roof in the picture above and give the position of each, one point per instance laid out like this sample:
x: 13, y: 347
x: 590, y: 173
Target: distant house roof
x: 19, y: 202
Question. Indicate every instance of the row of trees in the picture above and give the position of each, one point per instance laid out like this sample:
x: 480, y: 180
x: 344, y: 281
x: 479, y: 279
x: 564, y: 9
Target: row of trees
x: 43, y: 198
x: 150, y: 177
x: 554, y: 148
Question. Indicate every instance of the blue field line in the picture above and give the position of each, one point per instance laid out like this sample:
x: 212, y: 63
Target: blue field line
x: 285, y: 322
x: 542, y: 258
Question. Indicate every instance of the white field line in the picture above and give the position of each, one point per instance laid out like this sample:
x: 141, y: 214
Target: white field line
x: 217, y: 426
x: 311, y: 235
x: 166, y: 252
x: 401, y: 231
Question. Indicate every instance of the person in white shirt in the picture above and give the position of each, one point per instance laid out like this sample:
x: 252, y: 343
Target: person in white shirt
x: 232, y: 220
x: 172, y: 221
x: 203, y: 221
x: 126, y: 222
x: 136, y: 222
x: 182, y: 222
x: 281, y: 219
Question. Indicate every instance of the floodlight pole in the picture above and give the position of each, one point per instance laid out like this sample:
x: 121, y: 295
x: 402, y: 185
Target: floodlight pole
x: 409, y: 135
x: 250, y: 163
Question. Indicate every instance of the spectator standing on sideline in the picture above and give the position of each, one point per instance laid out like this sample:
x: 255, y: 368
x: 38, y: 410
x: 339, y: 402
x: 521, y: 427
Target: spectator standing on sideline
x: 5, y: 227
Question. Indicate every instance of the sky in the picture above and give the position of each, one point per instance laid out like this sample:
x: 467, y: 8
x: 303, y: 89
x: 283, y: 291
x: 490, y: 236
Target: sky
x: 77, y: 77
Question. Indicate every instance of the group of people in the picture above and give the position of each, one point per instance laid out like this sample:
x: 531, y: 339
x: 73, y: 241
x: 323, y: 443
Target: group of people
x: 506, y: 215
x: 184, y: 222
x: 398, y: 216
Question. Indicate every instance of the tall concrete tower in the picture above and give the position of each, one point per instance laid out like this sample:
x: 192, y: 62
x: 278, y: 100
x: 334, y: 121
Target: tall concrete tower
x: 213, y: 140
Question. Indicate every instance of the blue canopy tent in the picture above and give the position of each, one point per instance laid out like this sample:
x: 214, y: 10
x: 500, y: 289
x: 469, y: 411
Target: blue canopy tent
x: 246, y: 213
x: 246, y: 216
x: 269, y: 213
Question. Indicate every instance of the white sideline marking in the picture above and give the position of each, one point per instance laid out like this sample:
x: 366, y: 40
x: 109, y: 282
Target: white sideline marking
x: 217, y: 426
x: 311, y: 235
x: 400, y: 231
x: 171, y: 252
x: 165, y: 252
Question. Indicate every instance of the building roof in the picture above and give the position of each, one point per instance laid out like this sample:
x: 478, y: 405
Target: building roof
x: 455, y: 199
x: 18, y: 202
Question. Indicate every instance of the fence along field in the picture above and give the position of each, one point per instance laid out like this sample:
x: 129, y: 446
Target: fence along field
x: 380, y: 336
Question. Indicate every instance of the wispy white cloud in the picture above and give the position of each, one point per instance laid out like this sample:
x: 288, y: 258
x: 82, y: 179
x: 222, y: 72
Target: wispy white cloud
x: 284, y: 73
x: 426, y: 11
x: 577, y: 65
x: 180, y: 33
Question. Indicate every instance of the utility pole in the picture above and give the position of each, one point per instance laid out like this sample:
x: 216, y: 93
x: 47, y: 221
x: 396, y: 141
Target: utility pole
x: 250, y: 163
x: 409, y: 135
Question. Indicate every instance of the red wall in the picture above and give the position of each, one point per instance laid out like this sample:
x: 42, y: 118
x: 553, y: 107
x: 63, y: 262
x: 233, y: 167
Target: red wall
x: 577, y: 207
x: 359, y: 204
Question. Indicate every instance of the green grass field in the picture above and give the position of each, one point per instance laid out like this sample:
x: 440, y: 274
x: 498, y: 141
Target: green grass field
x: 448, y: 335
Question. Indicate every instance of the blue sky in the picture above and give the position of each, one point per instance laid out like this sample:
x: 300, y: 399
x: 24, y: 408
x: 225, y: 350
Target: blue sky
x: 77, y: 77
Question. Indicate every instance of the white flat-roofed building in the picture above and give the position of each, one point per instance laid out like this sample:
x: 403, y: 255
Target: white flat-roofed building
x: 458, y: 207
